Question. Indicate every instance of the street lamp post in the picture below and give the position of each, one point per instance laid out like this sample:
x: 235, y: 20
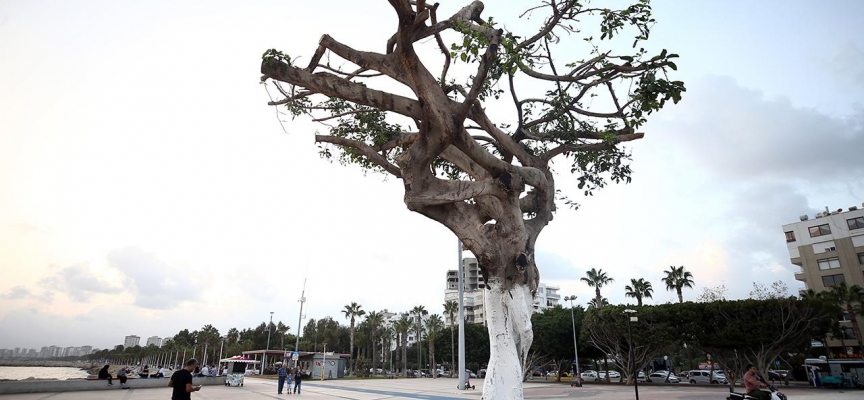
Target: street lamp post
x: 632, y: 318
x: 573, y: 321
x: 264, y: 359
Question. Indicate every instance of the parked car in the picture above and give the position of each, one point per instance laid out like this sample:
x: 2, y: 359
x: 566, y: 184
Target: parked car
x: 481, y: 373
x: 614, y: 375
x: 660, y: 376
x: 470, y: 373
x: 589, y: 375
x: 705, y: 377
x: 441, y: 373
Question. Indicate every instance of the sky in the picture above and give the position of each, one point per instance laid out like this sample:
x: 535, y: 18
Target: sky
x: 146, y: 187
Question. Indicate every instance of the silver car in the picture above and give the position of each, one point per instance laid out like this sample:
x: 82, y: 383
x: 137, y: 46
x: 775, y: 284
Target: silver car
x: 705, y: 377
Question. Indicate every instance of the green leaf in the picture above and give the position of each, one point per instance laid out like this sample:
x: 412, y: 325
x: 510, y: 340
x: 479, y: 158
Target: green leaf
x: 672, y: 65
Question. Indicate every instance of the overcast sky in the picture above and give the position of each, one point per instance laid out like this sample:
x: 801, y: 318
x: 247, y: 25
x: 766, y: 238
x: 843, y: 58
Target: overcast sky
x: 146, y: 186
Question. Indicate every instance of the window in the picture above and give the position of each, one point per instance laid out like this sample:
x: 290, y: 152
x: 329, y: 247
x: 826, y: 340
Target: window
x: 861, y: 258
x: 848, y: 333
x: 819, y: 230
x: 829, y: 263
x: 855, y: 223
x: 832, y: 280
x: 790, y: 236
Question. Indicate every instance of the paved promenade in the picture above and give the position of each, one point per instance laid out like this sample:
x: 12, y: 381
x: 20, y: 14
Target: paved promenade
x: 428, y: 389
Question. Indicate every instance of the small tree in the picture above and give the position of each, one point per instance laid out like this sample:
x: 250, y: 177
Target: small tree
x: 491, y: 184
x: 451, y: 308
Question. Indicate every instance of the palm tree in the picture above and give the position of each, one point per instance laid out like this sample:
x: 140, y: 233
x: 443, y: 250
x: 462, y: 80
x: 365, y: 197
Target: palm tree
x: 597, y: 279
x: 434, y: 324
x: 639, y: 288
x: 351, y: 311
x: 845, y: 296
x: 374, y: 319
x: 451, y: 307
x: 402, y: 325
x: 603, y: 303
x: 677, y: 278
x: 419, y: 312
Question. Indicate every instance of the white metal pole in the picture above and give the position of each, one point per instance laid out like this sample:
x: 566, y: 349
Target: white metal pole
x: 461, y: 321
x: 264, y: 358
x: 300, y: 321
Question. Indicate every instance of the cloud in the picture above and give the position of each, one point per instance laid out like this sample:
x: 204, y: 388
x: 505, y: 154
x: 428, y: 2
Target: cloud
x: 767, y: 161
x: 847, y: 65
x: 79, y: 282
x: 740, y: 135
x: 554, y: 267
x: 17, y: 292
x: 155, y: 284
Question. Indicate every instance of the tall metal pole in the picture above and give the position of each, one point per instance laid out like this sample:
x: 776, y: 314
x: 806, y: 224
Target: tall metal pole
x: 461, y: 285
x: 264, y: 359
x: 300, y: 321
x: 220, y: 353
x: 324, y: 362
x: 632, y: 359
x: 575, y: 347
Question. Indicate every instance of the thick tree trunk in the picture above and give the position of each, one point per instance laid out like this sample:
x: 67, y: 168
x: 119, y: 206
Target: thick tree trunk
x: 508, y: 317
x: 680, y: 296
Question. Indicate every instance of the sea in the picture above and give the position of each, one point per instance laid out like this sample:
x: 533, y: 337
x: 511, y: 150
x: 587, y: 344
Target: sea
x: 59, y: 373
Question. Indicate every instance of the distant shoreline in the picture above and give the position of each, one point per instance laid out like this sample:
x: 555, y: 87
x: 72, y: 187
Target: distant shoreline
x: 47, y: 363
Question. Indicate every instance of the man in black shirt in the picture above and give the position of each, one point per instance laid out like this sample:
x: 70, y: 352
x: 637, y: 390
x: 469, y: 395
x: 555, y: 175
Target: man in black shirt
x: 181, y: 381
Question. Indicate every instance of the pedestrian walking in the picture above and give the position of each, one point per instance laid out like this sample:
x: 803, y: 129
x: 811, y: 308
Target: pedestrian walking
x: 298, y: 379
x: 181, y: 381
x: 290, y: 379
x: 283, y: 375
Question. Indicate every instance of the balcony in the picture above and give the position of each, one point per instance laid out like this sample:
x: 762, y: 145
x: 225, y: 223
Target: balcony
x: 554, y: 296
x: 801, y: 276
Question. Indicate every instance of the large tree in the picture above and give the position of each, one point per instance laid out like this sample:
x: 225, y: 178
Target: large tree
x: 597, y: 279
x: 353, y: 311
x: 451, y: 308
x: 678, y: 278
x: 490, y: 183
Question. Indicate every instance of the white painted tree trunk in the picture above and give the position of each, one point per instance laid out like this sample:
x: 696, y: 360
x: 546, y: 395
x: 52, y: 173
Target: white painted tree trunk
x: 508, y: 317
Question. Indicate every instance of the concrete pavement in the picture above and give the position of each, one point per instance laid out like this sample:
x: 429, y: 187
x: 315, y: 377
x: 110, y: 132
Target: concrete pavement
x: 427, y: 389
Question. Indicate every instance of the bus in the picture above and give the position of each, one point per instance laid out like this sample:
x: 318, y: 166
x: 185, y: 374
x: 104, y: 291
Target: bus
x: 835, y: 372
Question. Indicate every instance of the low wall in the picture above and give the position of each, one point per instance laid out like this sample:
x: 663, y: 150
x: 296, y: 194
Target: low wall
x: 75, y: 385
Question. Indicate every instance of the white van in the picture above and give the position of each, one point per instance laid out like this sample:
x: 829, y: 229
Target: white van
x: 702, y: 376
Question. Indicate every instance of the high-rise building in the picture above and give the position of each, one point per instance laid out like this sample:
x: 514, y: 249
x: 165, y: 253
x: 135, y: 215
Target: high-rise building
x: 154, y: 340
x: 830, y: 249
x: 131, y: 341
x: 473, y: 298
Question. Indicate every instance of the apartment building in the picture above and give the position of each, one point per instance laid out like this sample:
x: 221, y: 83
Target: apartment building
x: 131, y: 341
x: 829, y: 248
x: 474, y: 291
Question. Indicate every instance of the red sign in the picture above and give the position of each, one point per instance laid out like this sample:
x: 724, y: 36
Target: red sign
x: 318, y: 363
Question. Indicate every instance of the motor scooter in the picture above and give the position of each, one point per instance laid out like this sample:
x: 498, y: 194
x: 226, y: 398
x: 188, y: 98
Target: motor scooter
x: 775, y: 394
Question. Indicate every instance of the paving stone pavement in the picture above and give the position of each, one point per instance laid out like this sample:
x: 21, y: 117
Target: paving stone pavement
x: 429, y: 389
